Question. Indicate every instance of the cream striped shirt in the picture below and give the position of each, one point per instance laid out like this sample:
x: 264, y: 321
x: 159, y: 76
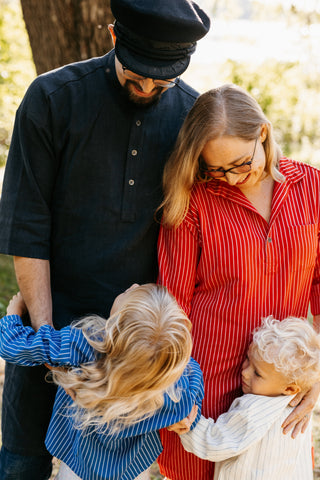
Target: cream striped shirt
x: 248, y: 443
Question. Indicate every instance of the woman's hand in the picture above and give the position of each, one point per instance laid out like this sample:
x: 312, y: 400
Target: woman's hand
x: 16, y: 305
x: 299, y: 418
x: 184, y: 425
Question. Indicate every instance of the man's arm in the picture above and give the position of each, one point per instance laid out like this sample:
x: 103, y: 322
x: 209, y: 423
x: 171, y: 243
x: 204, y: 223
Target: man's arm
x: 33, y: 277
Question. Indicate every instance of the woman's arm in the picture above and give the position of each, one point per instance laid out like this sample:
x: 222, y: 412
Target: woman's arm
x: 178, y: 255
x: 299, y: 418
x: 305, y: 402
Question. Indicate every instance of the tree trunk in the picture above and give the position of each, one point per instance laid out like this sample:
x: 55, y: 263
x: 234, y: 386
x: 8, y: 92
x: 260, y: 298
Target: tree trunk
x: 65, y: 31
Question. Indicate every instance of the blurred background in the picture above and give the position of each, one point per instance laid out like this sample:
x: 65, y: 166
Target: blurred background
x: 269, y: 48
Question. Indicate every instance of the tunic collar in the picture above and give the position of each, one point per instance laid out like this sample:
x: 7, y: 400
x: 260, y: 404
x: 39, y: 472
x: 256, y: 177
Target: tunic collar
x: 289, y: 168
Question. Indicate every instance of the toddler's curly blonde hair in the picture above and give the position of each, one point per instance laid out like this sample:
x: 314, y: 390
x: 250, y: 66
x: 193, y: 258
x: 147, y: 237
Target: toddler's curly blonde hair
x: 292, y: 346
x: 142, y: 349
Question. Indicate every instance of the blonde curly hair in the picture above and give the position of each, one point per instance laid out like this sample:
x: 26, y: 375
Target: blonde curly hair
x: 292, y: 346
x: 141, y: 350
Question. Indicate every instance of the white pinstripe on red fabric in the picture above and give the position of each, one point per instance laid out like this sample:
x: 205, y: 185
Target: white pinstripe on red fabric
x: 228, y: 268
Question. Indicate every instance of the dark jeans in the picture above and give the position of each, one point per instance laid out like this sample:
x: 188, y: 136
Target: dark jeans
x: 26, y: 411
x: 22, y: 467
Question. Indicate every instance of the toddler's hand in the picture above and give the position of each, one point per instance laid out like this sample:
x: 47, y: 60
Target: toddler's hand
x: 184, y: 425
x: 16, y: 305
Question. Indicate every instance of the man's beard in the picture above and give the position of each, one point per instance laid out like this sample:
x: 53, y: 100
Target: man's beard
x: 141, y: 101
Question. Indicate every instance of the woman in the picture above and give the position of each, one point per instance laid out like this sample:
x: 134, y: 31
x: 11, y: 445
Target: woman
x: 239, y: 242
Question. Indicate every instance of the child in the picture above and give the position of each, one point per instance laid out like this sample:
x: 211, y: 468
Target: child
x: 123, y: 386
x: 247, y: 441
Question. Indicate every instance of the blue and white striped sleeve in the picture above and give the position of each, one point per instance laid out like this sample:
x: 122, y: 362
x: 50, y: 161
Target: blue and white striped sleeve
x: 247, y: 421
x: 189, y: 392
x: 23, y: 346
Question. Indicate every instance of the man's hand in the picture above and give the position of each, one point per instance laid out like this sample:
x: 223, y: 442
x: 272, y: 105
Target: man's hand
x: 184, y: 425
x: 299, y: 418
x: 16, y: 305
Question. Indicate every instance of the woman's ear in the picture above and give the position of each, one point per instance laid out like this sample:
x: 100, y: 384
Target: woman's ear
x: 263, y: 132
x: 292, y: 389
x: 113, y: 35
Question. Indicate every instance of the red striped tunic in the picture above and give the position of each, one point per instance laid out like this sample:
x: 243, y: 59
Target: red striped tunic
x: 228, y: 268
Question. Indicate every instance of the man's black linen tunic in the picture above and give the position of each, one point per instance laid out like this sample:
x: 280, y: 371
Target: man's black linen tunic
x: 81, y: 186
x: 83, y: 180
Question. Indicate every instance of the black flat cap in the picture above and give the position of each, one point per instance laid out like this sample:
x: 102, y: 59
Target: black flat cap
x: 155, y: 38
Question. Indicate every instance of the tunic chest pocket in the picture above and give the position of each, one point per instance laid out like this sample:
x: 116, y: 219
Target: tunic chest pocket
x: 302, y: 246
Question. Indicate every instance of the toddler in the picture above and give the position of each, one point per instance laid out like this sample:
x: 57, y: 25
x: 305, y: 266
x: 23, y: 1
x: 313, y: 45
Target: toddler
x: 127, y: 376
x: 247, y: 441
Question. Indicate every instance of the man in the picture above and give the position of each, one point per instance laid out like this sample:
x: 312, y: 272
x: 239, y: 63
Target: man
x: 82, y: 182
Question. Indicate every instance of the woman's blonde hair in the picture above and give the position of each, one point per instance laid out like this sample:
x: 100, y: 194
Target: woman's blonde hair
x: 142, y: 349
x: 292, y: 346
x: 225, y: 111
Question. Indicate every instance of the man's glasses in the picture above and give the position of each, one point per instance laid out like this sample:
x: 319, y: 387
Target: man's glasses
x: 237, y: 170
x: 159, y: 83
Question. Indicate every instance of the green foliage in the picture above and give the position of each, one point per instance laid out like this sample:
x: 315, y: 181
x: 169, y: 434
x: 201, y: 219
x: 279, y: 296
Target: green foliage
x: 290, y: 99
x: 8, y: 284
x: 16, y: 71
x: 302, y: 13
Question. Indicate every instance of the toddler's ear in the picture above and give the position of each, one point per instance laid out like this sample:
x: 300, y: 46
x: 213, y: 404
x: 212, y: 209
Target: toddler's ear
x: 292, y: 389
